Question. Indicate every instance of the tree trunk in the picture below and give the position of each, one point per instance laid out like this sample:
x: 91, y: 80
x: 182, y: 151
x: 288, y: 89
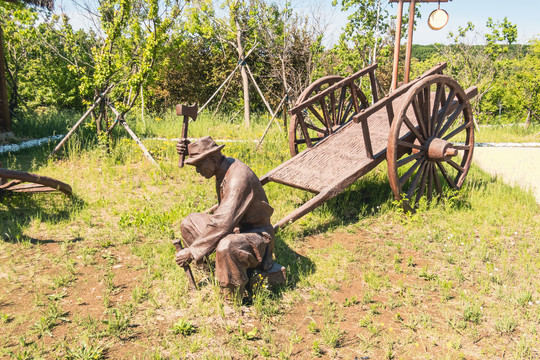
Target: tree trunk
x: 5, y: 120
x: 528, y: 120
x: 243, y: 72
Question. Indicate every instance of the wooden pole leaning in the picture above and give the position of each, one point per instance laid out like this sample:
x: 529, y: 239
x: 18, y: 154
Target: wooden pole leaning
x: 263, y: 98
x: 271, y: 120
x: 228, y: 78
x: 78, y: 123
x: 120, y: 119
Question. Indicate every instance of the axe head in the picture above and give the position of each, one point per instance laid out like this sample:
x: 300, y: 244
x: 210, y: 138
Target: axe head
x: 187, y: 110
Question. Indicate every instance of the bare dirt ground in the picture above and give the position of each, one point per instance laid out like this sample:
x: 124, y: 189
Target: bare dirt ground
x: 516, y: 166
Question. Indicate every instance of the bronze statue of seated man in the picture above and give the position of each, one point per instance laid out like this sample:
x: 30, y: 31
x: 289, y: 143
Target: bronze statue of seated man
x: 239, y: 230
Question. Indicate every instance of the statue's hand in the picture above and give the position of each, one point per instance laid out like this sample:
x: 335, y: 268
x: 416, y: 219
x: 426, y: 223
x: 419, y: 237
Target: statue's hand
x: 183, y: 257
x: 181, y: 146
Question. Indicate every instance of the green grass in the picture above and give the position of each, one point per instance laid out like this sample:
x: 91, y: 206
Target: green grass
x: 459, y: 278
x: 508, y: 133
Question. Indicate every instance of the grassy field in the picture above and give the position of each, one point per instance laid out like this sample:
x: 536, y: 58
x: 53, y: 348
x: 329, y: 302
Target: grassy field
x: 93, y: 276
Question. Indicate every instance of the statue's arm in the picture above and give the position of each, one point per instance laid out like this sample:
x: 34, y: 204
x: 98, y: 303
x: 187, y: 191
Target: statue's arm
x: 236, y: 199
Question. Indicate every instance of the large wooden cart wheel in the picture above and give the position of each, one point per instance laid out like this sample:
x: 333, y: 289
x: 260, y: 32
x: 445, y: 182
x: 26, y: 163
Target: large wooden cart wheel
x: 431, y: 140
x: 19, y: 181
x: 326, y: 116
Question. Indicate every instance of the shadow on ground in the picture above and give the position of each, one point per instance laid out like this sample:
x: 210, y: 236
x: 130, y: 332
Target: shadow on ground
x: 18, y: 210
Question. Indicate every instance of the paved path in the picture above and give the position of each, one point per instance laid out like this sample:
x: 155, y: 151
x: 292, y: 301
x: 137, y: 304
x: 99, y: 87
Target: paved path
x: 516, y: 166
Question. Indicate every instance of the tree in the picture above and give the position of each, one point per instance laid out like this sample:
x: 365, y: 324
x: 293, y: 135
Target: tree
x: 133, y: 34
x: 523, y: 84
x: 235, y: 30
x: 290, y: 47
x: 370, y: 30
x: 479, y: 65
x: 43, y: 68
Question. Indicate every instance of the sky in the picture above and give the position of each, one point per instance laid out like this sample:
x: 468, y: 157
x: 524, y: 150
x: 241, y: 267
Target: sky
x: 523, y: 13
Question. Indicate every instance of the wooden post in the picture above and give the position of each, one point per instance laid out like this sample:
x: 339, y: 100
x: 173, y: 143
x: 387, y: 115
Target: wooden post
x: 263, y: 98
x: 136, y: 139
x: 396, y: 46
x: 272, y: 119
x: 68, y: 135
x: 412, y: 8
x: 120, y: 119
x: 5, y: 120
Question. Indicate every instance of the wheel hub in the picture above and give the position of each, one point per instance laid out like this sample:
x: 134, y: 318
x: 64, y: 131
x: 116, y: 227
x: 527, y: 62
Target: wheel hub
x: 439, y: 150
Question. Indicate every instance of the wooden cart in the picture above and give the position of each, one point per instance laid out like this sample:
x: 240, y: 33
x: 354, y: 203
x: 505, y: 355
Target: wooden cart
x: 336, y: 137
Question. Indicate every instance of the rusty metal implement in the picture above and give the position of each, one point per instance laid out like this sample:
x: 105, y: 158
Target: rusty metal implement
x: 178, y: 246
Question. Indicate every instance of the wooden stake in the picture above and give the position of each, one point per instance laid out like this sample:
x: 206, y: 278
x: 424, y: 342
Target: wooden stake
x: 262, y: 96
x: 5, y: 120
x: 78, y: 123
x: 396, y: 46
x: 226, y: 80
x: 120, y: 119
x: 270, y: 122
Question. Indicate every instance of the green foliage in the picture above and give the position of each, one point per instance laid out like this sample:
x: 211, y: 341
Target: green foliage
x: 45, y: 58
x: 183, y: 327
x: 85, y: 351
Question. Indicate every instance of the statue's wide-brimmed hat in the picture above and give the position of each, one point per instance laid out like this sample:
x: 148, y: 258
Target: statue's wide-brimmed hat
x: 201, y: 148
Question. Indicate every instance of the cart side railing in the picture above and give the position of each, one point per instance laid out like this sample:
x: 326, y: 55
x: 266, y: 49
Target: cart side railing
x: 345, y: 82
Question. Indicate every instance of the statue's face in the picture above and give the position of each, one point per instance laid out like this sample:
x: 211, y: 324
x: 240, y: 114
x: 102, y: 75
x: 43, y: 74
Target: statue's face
x: 206, y: 167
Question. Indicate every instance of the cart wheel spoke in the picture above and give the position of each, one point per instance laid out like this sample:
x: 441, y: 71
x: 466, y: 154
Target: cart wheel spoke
x: 451, y: 119
x: 314, y: 128
x: 414, y: 183
x: 437, y: 102
x: 333, y: 108
x: 456, y: 166
x: 426, y: 94
x: 409, y: 145
x: 346, y: 118
x: 422, y: 187
x: 457, y: 131
x: 414, y: 130
x: 419, y: 117
x: 446, y: 176
x: 409, y: 158
x: 429, y: 193
x: 312, y: 140
x: 437, y: 181
x: 341, y: 104
x: 317, y: 115
x: 403, y: 179
x: 449, y: 102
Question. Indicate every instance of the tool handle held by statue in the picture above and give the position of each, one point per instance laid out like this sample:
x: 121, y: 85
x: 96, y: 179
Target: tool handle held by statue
x: 184, y: 137
x: 178, y: 246
x: 188, y: 112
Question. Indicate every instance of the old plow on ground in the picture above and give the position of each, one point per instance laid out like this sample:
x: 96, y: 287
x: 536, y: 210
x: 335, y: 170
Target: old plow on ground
x: 19, y: 181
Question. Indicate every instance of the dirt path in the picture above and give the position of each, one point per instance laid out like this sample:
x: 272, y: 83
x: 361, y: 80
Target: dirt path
x: 516, y: 165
